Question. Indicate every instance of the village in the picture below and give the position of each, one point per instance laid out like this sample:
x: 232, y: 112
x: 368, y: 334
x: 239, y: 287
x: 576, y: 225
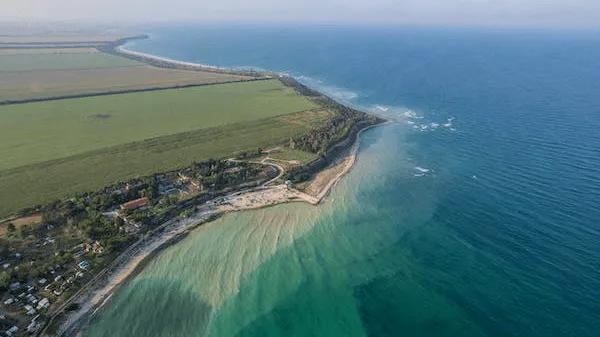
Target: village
x: 55, y: 250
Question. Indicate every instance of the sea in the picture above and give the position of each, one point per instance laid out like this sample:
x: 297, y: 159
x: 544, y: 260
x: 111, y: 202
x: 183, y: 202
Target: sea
x: 475, y: 212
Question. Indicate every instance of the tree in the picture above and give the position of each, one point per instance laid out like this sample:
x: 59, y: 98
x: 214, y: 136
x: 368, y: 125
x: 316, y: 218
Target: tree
x: 4, y: 280
x: 24, y: 231
x: 11, y: 227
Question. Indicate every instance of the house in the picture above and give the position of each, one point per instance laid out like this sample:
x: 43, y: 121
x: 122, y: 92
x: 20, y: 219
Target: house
x: 29, y: 309
x: 183, y: 177
x: 135, y: 204
x: 196, y: 185
x: 232, y: 170
x: 31, y: 299
x: 15, y: 286
x: 78, y: 254
x: 43, y: 304
x: 12, y: 331
x: 84, y: 265
x: 95, y: 247
x: 33, y: 326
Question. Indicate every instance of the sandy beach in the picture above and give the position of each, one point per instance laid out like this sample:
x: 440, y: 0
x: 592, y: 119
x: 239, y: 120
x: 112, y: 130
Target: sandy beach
x: 131, y: 262
x: 165, y: 59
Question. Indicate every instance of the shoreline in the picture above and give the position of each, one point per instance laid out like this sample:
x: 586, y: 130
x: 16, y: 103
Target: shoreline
x: 131, y: 262
x: 118, y: 48
x: 95, y: 298
x: 200, y: 66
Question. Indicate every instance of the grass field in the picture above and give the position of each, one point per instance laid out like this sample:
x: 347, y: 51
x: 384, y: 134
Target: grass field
x: 60, y: 38
x: 291, y: 155
x: 38, y: 132
x: 38, y: 183
x: 42, y: 73
x: 75, y: 59
x: 29, y: 51
x: 52, y: 83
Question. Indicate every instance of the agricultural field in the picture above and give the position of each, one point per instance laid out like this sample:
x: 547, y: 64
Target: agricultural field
x: 42, y: 51
x: 60, y: 38
x: 61, y: 59
x: 54, y: 149
x: 43, y: 182
x: 48, y: 72
x: 42, y: 131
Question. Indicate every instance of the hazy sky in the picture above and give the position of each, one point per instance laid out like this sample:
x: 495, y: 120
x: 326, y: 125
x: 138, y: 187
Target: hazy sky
x: 562, y: 13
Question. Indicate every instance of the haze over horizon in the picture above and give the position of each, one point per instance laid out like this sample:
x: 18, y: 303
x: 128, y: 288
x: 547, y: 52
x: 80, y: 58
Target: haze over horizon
x: 501, y: 13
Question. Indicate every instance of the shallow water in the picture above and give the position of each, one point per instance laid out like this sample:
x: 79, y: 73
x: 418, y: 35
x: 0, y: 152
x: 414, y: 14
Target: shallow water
x: 476, y: 214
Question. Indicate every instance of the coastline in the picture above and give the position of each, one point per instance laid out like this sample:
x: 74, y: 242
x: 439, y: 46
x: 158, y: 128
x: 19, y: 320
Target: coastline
x: 99, y: 291
x: 117, y: 48
x: 168, y: 60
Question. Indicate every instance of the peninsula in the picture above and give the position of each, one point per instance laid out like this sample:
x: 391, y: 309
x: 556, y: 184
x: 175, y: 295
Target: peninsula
x: 114, y: 154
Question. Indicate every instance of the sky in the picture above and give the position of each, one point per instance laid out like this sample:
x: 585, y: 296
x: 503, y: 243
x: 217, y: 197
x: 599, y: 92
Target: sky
x: 543, y: 13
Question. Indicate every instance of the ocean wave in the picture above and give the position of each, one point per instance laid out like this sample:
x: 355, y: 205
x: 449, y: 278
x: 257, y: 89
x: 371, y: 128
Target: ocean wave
x: 411, y: 114
x: 422, y: 169
x: 339, y: 93
x: 426, y: 126
x: 250, y: 68
x: 448, y: 123
x: 382, y: 108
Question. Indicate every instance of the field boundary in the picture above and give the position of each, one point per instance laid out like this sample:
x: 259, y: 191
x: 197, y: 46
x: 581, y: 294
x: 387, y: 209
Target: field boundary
x: 124, y: 91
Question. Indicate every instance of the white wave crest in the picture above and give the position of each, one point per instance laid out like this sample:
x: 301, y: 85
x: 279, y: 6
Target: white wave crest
x: 448, y: 123
x: 382, y: 108
x: 335, y: 92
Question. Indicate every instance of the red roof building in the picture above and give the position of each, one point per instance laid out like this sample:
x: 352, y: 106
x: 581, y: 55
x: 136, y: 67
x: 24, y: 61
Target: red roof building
x: 135, y: 204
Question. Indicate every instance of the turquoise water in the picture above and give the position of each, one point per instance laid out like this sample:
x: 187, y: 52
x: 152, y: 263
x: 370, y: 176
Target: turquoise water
x: 475, y: 214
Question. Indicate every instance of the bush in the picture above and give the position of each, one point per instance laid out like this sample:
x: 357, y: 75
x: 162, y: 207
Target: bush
x: 4, y: 280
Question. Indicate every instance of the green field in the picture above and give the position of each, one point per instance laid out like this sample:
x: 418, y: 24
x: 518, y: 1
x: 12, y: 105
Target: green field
x: 56, y: 148
x: 38, y: 132
x: 39, y: 183
x: 59, y: 38
x: 62, y: 61
x: 53, y: 83
x: 287, y: 154
x: 51, y: 72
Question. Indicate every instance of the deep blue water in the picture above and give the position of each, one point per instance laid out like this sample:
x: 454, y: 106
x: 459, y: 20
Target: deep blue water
x: 483, y: 199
